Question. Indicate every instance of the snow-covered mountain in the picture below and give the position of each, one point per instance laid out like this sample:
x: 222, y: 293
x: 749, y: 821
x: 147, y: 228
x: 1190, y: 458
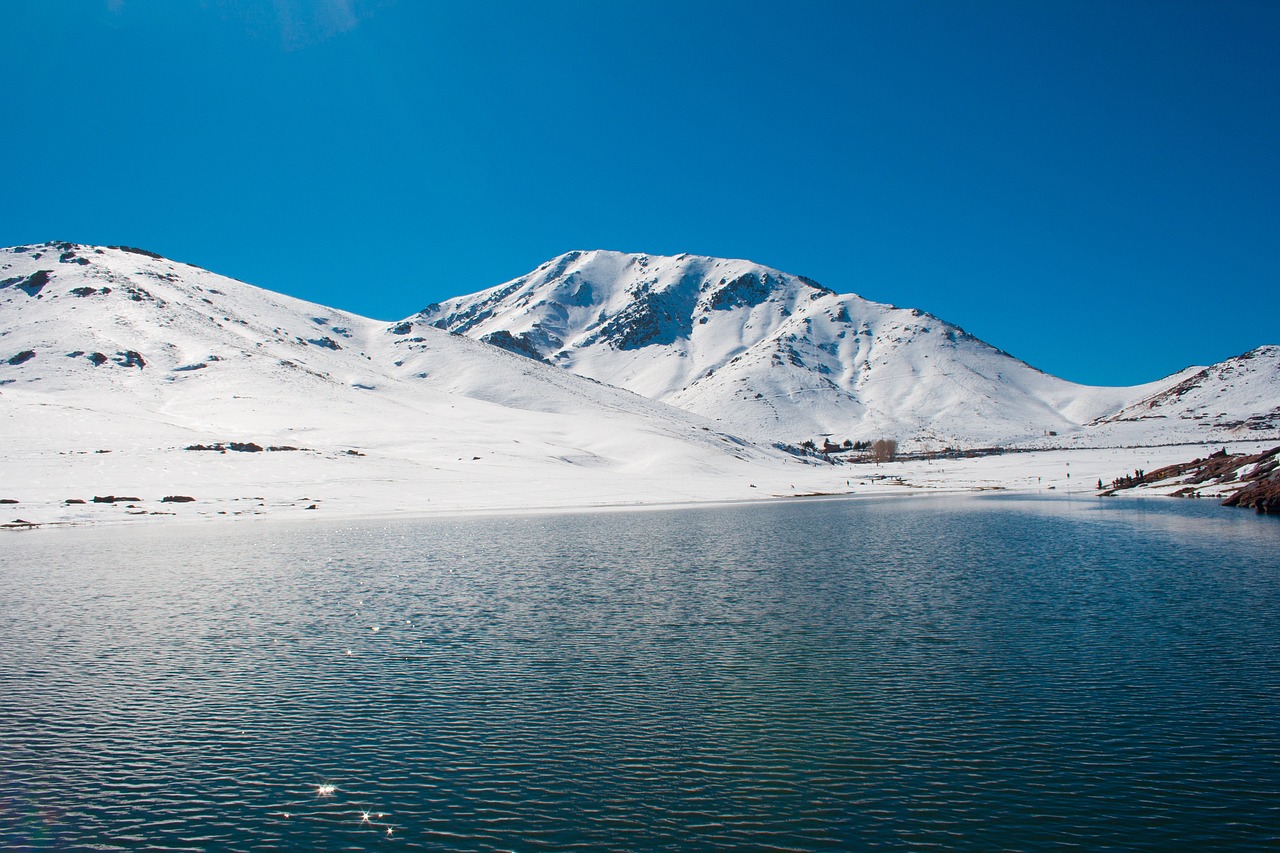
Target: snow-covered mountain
x: 124, y: 374
x: 1239, y: 397
x: 116, y: 349
x: 780, y: 357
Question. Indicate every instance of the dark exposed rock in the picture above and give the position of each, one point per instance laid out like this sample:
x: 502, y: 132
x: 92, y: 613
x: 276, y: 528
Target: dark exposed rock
x: 245, y: 447
x: 279, y: 448
x: 746, y: 289
x: 31, y: 284
x: 1262, y: 489
x: 518, y: 344
x: 1263, y: 496
x: 653, y: 317
x: 131, y: 358
x: 218, y: 448
x: 133, y: 251
x: 82, y: 291
x: 75, y: 500
x: 176, y: 499
x: 822, y: 291
x: 8, y: 501
x: 113, y: 499
x: 22, y: 357
x: 401, y: 328
x: 98, y: 359
x: 460, y: 322
x: 1258, y: 475
x: 326, y: 342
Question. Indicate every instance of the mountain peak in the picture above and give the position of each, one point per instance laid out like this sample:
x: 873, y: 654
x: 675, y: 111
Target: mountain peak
x: 770, y: 355
x: 623, y: 301
x: 163, y: 368
x: 773, y: 355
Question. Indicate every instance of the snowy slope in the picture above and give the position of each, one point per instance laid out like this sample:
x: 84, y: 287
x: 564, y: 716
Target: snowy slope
x: 128, y: 375
x: 1237, y: 399
x: 779, y: 357
x: 110, y: 349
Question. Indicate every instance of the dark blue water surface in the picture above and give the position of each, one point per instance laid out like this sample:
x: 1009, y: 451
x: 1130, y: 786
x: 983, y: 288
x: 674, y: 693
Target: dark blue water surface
x: 951, y: 673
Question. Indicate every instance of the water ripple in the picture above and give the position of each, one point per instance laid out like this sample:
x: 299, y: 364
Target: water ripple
x: 870, y: 675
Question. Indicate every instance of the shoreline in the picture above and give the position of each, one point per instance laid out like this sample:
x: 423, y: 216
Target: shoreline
x: 1041, y: 473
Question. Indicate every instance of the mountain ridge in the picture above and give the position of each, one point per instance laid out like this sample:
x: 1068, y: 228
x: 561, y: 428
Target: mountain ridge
x: 780, y: 357
x: 115, y: 350
x: 768, y: 355
x: 125, y: 373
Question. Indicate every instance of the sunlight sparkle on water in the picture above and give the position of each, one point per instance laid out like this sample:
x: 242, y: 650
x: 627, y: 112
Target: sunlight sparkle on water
x: 991, y: 673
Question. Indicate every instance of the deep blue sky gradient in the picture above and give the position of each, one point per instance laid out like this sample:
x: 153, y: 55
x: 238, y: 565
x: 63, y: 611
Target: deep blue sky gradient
x: 1091, y: 186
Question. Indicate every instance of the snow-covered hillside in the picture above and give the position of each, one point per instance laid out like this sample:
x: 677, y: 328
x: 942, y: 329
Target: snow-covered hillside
x: 112, y: 361
x: 127, y: 378
x: 1238, y: 398
x: 779, y: 357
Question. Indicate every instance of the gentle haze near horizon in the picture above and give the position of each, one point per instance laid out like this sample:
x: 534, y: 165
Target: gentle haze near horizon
x: 1091, y: 186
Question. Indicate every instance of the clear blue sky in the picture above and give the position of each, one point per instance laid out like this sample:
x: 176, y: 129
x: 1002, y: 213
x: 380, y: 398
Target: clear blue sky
x: 1091, y: 186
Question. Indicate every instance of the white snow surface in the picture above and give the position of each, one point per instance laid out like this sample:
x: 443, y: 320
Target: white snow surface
x: 188, y: 357
x: 1236, y: 398
x: 113, y: 361
x: 780, y: 358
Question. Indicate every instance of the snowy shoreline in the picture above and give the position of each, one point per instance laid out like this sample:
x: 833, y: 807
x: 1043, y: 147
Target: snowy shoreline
x: 137, y: 388
x: 376, y: 496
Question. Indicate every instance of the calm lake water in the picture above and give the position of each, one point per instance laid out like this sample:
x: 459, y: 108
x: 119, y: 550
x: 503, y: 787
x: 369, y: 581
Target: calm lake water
x: 968, y: 673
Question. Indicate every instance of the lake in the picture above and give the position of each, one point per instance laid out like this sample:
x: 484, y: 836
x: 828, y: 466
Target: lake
x: 978, y: 673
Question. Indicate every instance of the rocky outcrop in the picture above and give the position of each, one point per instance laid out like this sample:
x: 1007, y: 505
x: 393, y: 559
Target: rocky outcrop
x: 1262, y: 491
x: 518, y: 344
x: 1250, y: 479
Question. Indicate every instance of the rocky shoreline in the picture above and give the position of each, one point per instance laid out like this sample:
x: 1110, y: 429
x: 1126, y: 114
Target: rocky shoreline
x: 1239, y: 479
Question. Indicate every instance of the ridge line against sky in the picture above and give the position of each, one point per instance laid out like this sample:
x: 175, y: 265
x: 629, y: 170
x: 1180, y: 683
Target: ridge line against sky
x: 1090, y: 186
